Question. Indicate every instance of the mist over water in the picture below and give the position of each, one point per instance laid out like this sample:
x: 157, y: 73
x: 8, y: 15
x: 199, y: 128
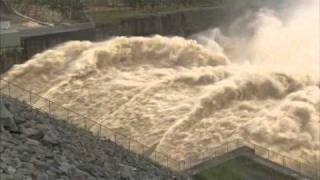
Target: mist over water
x: 190, y: 95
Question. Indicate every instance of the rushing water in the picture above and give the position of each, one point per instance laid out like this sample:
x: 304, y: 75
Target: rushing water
x: 188, y: 95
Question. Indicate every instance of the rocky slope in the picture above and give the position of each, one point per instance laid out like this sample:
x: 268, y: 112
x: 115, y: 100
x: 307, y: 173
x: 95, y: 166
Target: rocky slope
x: 34, y: 146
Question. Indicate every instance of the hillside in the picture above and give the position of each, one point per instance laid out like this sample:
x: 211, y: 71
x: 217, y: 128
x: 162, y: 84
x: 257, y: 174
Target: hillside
x: 54, y: 12
x: 34, y: 146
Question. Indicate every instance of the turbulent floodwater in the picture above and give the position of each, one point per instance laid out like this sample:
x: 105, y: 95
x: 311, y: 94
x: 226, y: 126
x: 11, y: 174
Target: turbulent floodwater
x: 187, y: 97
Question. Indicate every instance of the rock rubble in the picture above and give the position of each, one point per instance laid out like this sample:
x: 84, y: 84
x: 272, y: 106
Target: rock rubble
x: 36, y: 147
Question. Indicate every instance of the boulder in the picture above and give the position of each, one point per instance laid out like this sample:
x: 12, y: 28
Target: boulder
x: 33, y: 133
x: 32, y: 142
x: 19, y: 120
x: 65, y: 167
x: 11, y: 170
x: 42, y: 176
x: 52, y: 137
x: 126, y: 172
x: 6, y: 119
x: 5, y: 176
x: 77, y: 174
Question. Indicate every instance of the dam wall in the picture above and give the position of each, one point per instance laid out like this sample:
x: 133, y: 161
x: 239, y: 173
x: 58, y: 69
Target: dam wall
x: 33, y: 41
x: 178, y: 23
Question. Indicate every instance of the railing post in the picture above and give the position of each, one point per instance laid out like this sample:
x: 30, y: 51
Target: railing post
x: 1, y: 98
x: 49, y: 107
x: 201, y: 156
x: 167, y: 162
x: 143, y: 149
x: 68, y: 116
x: 9, y: 89
x: 227, y: 147
x: 129, y: 146
x: 87, y: 124
x: 30, y: 96
x: 207, y: 152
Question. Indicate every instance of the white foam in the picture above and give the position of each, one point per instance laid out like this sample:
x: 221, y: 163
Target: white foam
x: 187, y: 98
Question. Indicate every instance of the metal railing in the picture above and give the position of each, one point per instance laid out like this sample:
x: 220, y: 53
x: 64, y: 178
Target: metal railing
x: 59, y: 112
x: 265, y: 153
x: 285, y: 161
x: 209, y: 153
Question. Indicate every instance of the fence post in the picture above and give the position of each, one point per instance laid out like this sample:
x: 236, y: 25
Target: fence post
x: 49, y: 108
x: 68, y: 116
x: 9, y: 91
x: 1, y: 97
x: 86, y: 124
x: 227, y: 147
x: 202, y: 156
x: 115, y: 142
x: 30, y: 100
x: 207, y: 154
x: 167, y: 161
x: 143, y: 150
x: 129, y: 144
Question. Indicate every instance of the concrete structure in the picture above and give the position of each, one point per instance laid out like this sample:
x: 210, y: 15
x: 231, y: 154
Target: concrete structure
x: 9, y: 39
x: 248, y: 153
x: 21, y: 37
x: 4, y: 24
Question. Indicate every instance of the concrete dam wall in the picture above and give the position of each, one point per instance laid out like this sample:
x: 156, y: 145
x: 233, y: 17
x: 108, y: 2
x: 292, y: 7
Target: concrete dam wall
x: 179, y: 23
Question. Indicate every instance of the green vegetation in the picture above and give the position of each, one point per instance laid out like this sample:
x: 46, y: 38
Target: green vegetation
x: 50, y: 10
x: 141, y: 4
x: 112, y: 11
x: 114, y: 16
x: 103, y: 12
x: 240, y: 168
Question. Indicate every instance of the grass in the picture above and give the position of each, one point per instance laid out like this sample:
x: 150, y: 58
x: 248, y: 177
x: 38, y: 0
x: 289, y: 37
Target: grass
x: 240, y: 168
x: 114, y: 16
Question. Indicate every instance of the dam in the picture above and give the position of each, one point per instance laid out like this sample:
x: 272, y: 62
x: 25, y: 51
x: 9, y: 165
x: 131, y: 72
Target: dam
x: 184, y: 96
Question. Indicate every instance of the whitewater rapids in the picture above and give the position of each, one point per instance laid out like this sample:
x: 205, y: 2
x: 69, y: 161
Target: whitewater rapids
x: 183, y: 97
x: 175, y: 93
